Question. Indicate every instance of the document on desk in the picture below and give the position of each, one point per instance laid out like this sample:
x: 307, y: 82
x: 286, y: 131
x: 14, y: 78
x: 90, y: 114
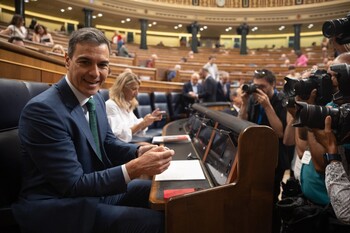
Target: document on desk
x: 182, y: 170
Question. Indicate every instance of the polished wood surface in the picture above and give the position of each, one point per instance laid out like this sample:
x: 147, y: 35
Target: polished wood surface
x: 242, y: 205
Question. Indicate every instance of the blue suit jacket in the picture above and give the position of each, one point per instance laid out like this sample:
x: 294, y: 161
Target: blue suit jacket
x: 63, y: 178
x: 187, y: 87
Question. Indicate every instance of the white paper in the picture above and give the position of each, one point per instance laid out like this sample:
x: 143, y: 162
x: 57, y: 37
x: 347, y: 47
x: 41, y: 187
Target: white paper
x: 171, y: 138
x: 182, y: 170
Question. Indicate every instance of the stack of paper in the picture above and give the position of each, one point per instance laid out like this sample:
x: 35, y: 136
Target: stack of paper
x: 182, y: 170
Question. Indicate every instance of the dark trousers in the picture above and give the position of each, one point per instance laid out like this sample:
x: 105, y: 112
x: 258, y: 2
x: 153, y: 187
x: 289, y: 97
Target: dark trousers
x: 129, y: 212
x: 276, y: 219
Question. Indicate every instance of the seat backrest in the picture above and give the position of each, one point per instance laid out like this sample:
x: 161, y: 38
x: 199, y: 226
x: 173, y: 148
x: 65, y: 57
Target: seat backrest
x: 176, y: 107
x: 160, y: 100
x: 144, y: 106
x: 14, y: 94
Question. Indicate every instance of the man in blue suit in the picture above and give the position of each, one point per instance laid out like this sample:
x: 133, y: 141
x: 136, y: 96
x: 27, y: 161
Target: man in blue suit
x: 70, y: 184
x: 191, y: 90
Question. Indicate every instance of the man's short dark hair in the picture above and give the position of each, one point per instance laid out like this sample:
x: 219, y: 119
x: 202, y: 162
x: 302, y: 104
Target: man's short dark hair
x: 15, y: 38
x: 86, y: 35
x: 265, y: 74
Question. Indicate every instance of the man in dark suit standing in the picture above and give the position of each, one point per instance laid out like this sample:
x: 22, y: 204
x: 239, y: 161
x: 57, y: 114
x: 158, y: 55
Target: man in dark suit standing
x: 209, y: 86
x: 191, y: 90
x: 223, y: 90
x: 75, y: 180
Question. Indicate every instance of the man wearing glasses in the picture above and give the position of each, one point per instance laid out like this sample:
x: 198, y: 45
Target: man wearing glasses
x: 263, y: 106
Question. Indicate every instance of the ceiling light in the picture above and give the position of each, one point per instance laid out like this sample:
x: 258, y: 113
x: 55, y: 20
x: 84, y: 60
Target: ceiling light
x: 201, y: 29
x: 94, y: 16
x: 205, y: 27
x: 62, y: 10
x: 180, y: 25
x: 176, y: 27
x: 99, y: 14
x: 69, y: 8
x: 123, y: 21
x: 154, y: 23
x: 150, y: 25
x: 128, y: 20
x: 26, y: 1
x: 310, y: 26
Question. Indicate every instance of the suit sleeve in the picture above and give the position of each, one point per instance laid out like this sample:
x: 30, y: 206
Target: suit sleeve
x: 62, y: 157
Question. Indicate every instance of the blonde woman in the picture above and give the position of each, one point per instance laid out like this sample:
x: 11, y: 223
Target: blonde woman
x: 122, y: 101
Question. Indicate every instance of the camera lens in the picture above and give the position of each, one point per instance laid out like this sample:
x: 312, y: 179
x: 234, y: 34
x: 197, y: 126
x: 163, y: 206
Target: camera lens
x: 313, y: 116
x: 333, y: 28
x: 249, y: 88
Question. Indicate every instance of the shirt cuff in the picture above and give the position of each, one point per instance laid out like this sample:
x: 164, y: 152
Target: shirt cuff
x: 126, y: 174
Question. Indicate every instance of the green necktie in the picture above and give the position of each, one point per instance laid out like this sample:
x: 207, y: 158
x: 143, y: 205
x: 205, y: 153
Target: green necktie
x: 93, y: 124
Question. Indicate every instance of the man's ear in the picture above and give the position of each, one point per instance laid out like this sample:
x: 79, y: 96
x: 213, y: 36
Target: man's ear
x: 67, y: 61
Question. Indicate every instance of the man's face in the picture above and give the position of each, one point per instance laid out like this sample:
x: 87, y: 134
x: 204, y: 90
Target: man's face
x: 194, y: 79
x: 88, y: 68
x: 263, y: 85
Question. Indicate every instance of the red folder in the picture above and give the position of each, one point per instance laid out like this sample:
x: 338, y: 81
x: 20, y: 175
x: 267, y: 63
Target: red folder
x: 175, y: 192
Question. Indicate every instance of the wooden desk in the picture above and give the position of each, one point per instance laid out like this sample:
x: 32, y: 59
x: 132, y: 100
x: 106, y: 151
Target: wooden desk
x: 244, y: 204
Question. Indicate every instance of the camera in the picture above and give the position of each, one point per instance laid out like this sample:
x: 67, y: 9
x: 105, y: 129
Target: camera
x: 338, y: 28
x: 249, y: 88
x: 343, y: 78
x: 313, y: 116
x: 319, y: 80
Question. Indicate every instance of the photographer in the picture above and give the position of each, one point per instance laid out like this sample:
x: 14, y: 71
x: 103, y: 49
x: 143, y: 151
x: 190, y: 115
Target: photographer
x: 337, y: 157
x: 262, y: 104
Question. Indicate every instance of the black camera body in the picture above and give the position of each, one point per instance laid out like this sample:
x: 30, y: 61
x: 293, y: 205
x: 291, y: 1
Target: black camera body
x: 338, y: 28
x: 249, y: 88
x: 319, y: 80
x: 313, y: 116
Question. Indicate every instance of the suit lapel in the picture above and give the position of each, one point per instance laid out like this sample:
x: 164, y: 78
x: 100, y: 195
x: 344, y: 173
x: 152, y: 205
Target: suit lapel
x: 77, y: 113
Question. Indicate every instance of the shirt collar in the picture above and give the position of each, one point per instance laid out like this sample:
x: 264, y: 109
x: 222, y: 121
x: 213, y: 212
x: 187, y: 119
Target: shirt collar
x: 81, y: 98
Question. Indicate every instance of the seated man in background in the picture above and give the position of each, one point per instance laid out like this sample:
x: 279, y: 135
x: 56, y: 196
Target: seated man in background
x: 236, y: 102
x: 77, y: 176
x: 172, y: 73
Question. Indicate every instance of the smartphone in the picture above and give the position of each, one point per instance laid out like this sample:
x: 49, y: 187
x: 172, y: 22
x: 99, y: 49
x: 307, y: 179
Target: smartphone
x: 162, y: 112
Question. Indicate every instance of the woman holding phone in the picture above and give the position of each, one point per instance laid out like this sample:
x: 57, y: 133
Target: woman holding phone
x: 120, y: 108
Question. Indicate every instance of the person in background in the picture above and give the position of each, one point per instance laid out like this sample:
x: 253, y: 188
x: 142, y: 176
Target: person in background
x: 57, y: 48
x: 209, y: 86
x: 212, y: 68
x: 116, y: 37
x: 152, y: 61
x: 17, y: 41
x: 301, y: 60
x: 120, y: 106
x: 191, y: 90
x: 124, y: 52
x: 172, y: 73
x: 16, y: 28
x: 292, y: 72
x: 42, y: 36
x: 223, y: 91
x: 236, y: 102
x: 78, y: 177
